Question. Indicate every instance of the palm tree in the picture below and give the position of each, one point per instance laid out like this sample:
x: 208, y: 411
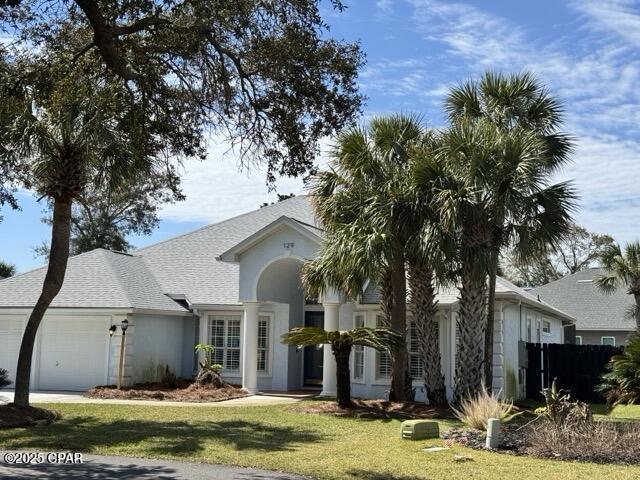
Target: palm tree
x: 365, y: 203
x: 622, y: 269
x: 496, y: 177
x: 342, y: 342
x: 430, y: 263
x: 63, y: 140
x: 621, y: 382
x: 513, y: 102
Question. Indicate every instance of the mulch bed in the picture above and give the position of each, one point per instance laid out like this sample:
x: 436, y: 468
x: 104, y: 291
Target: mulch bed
x: 186, y: 391
x: 373, y: 409
x: 12, y: 416
x: 513, y: 438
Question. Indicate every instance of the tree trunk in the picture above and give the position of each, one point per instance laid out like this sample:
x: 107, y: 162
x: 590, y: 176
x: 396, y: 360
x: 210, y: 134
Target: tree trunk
x: 58, y: 257
x: 423, y: 299
x: 400, y: 379
x: 488, y: 333
x: 471, y: 324
x: 343, y: 375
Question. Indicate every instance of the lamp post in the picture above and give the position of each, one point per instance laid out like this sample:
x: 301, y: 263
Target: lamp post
x: 123, y: 326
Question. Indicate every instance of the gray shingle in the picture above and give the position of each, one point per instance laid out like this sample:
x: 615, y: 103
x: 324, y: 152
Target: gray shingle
x: 187, y: 265
x: 579, y: 296
x: 96, y: 279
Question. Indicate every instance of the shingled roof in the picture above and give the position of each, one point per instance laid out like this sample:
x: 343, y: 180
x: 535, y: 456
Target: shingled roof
x: 505, y: 290
x: 185, y: 266
x: 96, y: 279
x: 579, y: 296
x: 188, y: 265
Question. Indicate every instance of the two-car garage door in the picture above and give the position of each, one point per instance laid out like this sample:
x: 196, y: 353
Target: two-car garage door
x: 71, y: 352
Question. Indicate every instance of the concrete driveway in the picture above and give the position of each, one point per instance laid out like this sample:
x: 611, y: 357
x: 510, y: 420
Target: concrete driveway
x: 6, y: 396
x: 96, y: 467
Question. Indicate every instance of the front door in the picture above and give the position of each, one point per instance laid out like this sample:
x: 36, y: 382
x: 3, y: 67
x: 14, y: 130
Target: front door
x: 313, y: 356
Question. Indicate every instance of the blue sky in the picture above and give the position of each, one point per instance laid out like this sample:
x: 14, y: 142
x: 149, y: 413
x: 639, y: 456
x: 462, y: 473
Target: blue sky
x: 586, y: 51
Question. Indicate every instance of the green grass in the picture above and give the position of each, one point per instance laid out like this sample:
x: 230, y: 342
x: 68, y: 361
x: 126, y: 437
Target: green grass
x: 273, y: 438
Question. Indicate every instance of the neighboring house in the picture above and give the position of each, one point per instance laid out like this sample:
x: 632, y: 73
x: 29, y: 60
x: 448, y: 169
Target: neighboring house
x: 600, y: 319
x: 235, y: 285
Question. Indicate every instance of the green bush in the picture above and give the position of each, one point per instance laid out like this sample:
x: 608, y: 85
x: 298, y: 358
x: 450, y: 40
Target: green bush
x: 621, y: 382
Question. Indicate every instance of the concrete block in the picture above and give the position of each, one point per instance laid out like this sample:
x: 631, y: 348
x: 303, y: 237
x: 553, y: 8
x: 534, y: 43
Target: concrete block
x: 419, y: 429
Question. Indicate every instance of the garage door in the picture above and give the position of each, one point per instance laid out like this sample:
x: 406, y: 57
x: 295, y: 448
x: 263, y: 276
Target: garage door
x: 73, y: 353
x: 10, y: 338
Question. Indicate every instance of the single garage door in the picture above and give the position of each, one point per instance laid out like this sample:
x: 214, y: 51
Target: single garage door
x: 10, y: 337
x: 73, y: 353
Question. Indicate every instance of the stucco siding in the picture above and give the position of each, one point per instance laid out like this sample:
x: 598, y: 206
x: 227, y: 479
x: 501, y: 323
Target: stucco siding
x: 157, y: 341
x: 594, y: 337
x: 272, y: 248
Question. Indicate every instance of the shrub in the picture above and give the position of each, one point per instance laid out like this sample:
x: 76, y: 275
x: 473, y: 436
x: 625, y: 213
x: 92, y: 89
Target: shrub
x: 601, y: 442
x: 562, y: 410
x: 475, y: 411
x: 4, y: 378
x: 621, y: 382
x: 169, y: 378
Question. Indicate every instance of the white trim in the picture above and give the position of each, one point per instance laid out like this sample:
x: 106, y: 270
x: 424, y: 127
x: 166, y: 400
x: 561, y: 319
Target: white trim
x: 232, y: 255
x: 360, y: 381
x: 272, y: 316
x: 207, y: 329
x: 578, y: 337
x: 607, y: 336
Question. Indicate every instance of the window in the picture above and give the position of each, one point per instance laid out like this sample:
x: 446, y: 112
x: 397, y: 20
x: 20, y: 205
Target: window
x: 415, y: 359
x: 538, y: 331
x: 358, y: 350
x: 224, y: 336
x: 546, y: 327
x: 608, y: 341
x: 383, y: 362
x: 264, y: 324
x: 528, y: 330
x: 578, y: 340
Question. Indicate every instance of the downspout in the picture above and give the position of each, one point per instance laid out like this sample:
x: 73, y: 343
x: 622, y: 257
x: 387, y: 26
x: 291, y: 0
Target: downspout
x: 520, y: 322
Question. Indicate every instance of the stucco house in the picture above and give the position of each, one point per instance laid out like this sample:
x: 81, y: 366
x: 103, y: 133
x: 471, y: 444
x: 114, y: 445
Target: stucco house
x: 600, y: 319
x: 235, y: 285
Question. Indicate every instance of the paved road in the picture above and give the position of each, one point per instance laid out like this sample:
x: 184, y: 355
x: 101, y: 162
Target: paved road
x: 96, y: 467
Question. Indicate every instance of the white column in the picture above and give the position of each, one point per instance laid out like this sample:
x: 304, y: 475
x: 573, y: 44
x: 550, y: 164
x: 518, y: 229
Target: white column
x: 203, y: 336
x: 331, y: 310
x: 250, y: 347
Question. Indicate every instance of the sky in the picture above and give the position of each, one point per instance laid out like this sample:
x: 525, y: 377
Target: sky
x: 587, y: 52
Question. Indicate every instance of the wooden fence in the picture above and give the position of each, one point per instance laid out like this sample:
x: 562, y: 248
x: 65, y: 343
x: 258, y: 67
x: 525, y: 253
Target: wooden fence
x: 577, y: 368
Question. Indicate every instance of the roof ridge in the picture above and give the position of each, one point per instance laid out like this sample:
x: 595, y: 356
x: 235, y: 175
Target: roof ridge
x: 116, y: 276
x: 567, y: 276
x: 71, y: 257
x: 221, y: 222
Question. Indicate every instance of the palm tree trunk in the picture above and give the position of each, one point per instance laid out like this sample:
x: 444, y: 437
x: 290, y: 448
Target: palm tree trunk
x: 343, y: 375
x: 471, y: 324
x: 488, y: 333
x: 423, y: 299
x: 386, y: 298
x: 400, y: 377
x: 58, y: 257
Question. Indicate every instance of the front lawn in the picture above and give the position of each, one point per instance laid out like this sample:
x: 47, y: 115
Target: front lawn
x: 274, y: 438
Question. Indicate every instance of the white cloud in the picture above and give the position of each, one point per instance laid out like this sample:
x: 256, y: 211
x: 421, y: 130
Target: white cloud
x: 618, y: 16
x: 217, y: 189
x: 596, y: 76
